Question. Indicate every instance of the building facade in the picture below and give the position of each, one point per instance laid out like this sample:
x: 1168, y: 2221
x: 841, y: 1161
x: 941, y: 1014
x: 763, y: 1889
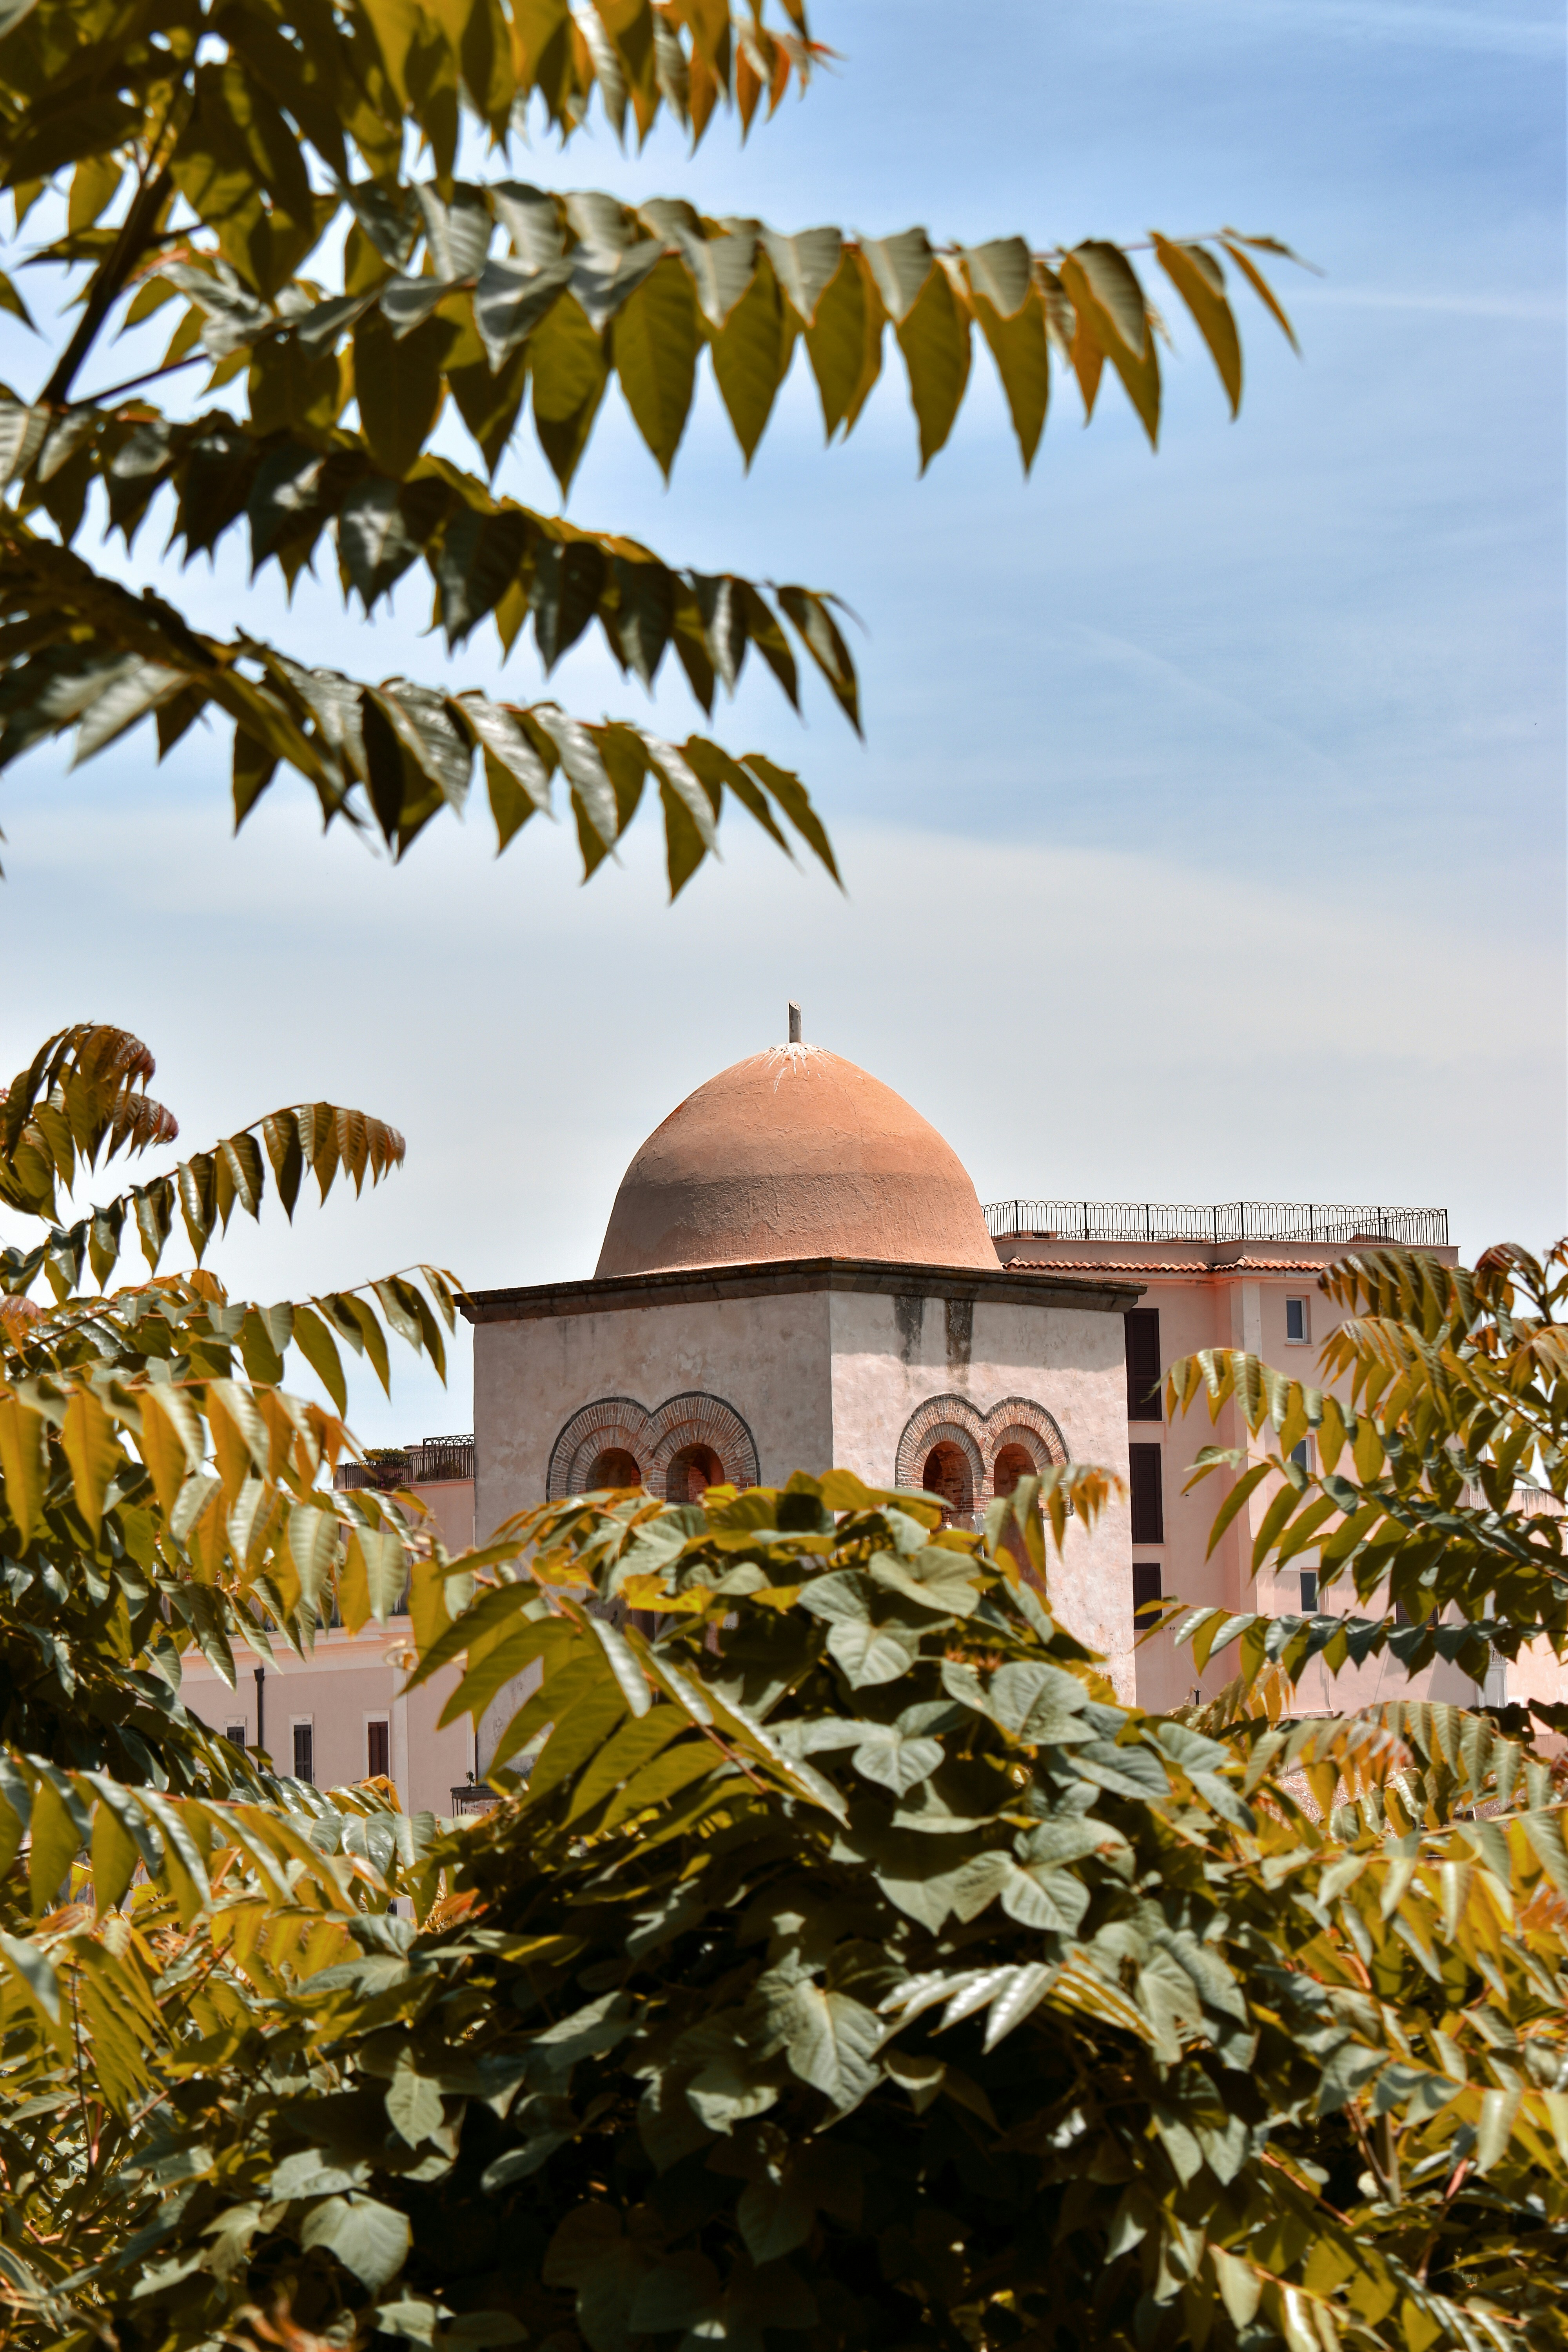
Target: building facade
x: 796, y: 1274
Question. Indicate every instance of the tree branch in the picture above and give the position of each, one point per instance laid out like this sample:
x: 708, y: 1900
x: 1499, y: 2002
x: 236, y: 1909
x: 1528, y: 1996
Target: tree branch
x: 109, y: 284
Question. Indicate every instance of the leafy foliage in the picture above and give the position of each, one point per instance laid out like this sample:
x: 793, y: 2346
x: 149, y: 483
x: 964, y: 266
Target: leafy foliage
x: 848, y: 1966
x: 158, y: 1487
x: 205, y: 151
x: 1456, y: 1387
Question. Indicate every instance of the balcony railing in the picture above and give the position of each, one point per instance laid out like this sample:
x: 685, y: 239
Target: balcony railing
x: 430, y: 1464
x: 1225, y: 1221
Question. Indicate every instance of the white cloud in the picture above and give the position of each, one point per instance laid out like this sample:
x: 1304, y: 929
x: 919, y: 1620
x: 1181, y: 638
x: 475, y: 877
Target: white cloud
x: 1099, y: 1022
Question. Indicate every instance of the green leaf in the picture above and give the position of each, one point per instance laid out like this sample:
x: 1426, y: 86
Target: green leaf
x: 57, y: 1840
x: 844, y: 342
x: 399, y: 388
x: 510, y: 301
x: 902, y: 267
x: 1200, y: 281
x: 805, y: 265
x: 414, y: 2105
x: 369, y: 2239
x: 936, y: 1578
x: 654, y: 343
x: 35, y: 1973
x: 833, y: 2042
x: 320, y: 1349
x: 751, y: 356
x: 568, y: 371
x: 11, y: 300
x: 899, y: 1762
x: 90, y: 1445
x: 1020, y: 348
x: 934, y: 339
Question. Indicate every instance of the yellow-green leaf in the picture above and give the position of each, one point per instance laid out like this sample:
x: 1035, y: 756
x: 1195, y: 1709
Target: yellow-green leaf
x: 934, y: 340
x: 1199, y: 280
x: 844, y: 342
x: 654, y: 341
x: 24, y: 1464
x: 751, y: 356
x: 1022, y: 354
x: 55, y: 1843
x: 90, y: 1447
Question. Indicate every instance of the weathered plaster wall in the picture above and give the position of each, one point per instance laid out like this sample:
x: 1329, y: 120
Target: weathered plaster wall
x: 766, y: 1356
x: 892, y: 1353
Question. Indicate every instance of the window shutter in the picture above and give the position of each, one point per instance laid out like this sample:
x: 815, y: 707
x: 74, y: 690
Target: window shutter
x: 376, y: 1744
x: 1143, y: 1466
x: 1146, y: 1592
x: 1142, y: 1326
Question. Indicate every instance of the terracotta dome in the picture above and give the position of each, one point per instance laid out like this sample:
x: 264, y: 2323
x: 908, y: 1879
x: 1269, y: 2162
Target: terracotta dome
x: 793, y: 1153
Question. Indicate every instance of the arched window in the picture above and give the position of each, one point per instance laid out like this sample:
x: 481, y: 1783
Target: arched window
x: 946, y: 1474
x: 613, y: 1467
x: 1012, y: 1463
x: 690, y: 1474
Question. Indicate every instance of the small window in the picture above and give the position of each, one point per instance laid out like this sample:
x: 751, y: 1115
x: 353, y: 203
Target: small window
x: 1145, y: 1478
x: 1143, y: 1328
x: 1145, y: 1594
x: 1302, y: 1454
x: 1309, y: 1592
x: 1296, y: 1330
x: 235, y: 1731
x: 377, y: 1745
x: 304, y: 1752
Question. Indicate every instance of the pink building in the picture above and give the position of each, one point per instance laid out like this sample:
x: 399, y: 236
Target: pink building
x: 340, y: 1715
x: 1238, y: 1274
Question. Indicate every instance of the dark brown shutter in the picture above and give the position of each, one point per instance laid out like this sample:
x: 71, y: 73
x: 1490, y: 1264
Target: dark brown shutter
x: 376, y: 1744
x: 1143, y: 1367
x: 1143, y: 1477
x: 1145, y: 1593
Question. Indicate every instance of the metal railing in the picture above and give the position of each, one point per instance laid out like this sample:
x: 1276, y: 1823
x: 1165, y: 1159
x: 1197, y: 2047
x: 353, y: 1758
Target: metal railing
x: 437, y: 1459
x: 1225, y: 1221
x: 470, y: 1796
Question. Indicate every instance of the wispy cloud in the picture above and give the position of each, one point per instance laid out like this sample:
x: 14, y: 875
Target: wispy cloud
x: 1411, y: 22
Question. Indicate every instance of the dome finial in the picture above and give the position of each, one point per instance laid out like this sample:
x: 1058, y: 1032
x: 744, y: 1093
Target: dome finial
x: 794, y: 1037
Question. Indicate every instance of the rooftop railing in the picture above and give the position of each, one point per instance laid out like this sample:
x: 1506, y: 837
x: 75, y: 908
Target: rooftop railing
x: 425, y: 1464
x: 1224, y: 1221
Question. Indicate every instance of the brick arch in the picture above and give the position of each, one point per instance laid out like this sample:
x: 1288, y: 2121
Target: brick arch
x: 697, y: 1419
x: 652, y: 1439
x: 949, y: 1419
x: 1016, y: 1421
x: 608, y: 1421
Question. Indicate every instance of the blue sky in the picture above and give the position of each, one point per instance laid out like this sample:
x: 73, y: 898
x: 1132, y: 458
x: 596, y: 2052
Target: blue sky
x: 1209, y: 838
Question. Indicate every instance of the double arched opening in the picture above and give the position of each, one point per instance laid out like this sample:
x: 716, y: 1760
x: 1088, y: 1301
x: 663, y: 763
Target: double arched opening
x: 677, y: 1452
x: 963, y: 1457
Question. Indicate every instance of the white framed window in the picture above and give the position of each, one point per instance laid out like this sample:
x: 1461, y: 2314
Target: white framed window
x: 238, y: 1732
x: 1297, y: 1323
x: 1301, y: 1453
x: 377, y: 1747
x: 1309, y: 1592
x: 304, y: 1731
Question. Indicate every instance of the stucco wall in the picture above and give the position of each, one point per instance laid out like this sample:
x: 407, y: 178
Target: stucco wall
x: 766, y: 1356
x: 892, y: 1353
x: 348, y: 1678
